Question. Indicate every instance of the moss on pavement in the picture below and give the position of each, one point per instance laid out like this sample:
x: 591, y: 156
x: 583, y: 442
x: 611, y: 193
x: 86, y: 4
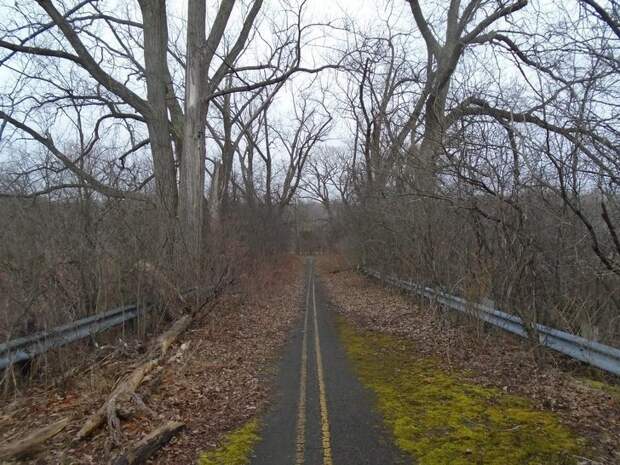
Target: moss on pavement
x: 439, y: 418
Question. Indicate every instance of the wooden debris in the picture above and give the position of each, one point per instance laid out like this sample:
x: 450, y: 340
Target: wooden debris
x: 31, y: 443
x: 110, y: 408
x: 149, y: 444
x: 165, y: 340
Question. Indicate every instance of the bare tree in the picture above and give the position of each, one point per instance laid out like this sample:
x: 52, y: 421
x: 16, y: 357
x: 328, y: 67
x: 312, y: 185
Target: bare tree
x: 295, y: 142
x: 484, y: 170
x: 117, y: 58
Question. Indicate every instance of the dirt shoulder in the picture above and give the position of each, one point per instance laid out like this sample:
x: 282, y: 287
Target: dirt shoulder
x: 216, y: 378
x: 590, y: 407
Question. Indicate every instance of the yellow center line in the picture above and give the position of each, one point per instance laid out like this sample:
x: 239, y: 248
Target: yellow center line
x: 326, y: 436
x: 301, y: 406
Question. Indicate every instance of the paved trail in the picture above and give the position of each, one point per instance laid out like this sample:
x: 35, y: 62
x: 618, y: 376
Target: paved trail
x: 321, y: 413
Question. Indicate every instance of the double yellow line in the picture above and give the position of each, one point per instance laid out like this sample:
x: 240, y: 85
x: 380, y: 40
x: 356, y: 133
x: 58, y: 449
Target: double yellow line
x: 301, y: 406
x: 325, y: 434
x: 301, y: 410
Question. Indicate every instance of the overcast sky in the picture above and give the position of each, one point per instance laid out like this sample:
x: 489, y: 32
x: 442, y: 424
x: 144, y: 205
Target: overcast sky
x: 366, y: 15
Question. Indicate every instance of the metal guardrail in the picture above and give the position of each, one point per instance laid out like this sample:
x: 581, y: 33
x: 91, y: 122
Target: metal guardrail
x: 594, y: 353
x: 24, y: 348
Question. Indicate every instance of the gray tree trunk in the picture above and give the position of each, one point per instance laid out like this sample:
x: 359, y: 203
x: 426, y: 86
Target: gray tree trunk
x: 156, y: 70
x: 192, y: 175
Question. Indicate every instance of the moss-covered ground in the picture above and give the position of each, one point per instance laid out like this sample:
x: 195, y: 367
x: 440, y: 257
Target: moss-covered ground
x: 610, y: 389
x: 236, y: 447
x: 439, y: 418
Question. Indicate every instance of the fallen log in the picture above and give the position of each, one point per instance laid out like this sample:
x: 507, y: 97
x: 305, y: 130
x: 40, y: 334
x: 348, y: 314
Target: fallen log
x: 149, y: 444
x: 31, y: 443
x: 110, y: 408
x: 125, y: 394
x: 165, y: 340
x: 126, y: 388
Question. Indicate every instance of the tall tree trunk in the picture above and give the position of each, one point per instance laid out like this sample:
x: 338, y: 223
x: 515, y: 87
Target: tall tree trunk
x: 215, y: 199
x: 228, y: 152
x: 156, y: 70
x: 193, y: 159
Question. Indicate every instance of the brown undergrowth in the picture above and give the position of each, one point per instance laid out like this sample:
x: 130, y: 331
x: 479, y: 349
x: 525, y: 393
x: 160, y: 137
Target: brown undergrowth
x: 488, y: 357
x: 214, y: 380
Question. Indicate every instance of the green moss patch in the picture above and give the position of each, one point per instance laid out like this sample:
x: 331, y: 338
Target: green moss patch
x: 236, y: 447
x: 610, y: 389
x: 440, y: 419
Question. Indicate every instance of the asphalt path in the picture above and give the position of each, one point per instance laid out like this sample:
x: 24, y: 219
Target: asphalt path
x: 321, y: 414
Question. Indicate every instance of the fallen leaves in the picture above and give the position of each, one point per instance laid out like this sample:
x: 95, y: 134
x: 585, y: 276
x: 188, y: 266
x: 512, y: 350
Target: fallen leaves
x: 215, y: 380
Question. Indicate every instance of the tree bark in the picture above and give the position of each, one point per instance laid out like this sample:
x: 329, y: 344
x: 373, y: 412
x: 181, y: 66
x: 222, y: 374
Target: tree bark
x: 148, y: 445
x: 193, y: 159
x: 228, y: 152
x: 30, y: 444
x: 156, y: 70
